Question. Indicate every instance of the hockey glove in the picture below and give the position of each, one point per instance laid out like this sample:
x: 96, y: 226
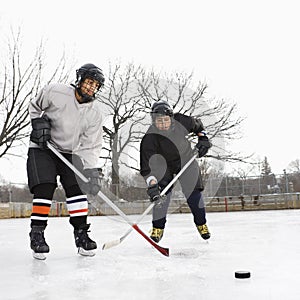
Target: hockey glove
x: 154, y: 192
x: 203, y: 145
x: 93, y: 186
x: 41, y: 131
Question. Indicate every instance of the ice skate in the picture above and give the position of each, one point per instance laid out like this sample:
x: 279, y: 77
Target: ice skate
x: 38, y: 243
x: 84, y: 244
x: 203, y: 230
x: 156, y: 234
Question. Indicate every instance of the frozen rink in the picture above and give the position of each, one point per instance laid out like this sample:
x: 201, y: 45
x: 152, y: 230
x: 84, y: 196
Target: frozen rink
x: 267, y: 243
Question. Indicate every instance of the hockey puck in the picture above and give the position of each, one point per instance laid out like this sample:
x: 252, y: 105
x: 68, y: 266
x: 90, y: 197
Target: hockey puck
x: 242, y: 274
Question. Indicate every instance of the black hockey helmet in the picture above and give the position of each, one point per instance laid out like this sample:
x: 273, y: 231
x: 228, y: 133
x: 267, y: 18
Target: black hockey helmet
x: 89, y: 71
x: 161, y: 107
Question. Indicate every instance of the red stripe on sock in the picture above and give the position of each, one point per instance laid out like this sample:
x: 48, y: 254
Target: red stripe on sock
x: 78, y: 211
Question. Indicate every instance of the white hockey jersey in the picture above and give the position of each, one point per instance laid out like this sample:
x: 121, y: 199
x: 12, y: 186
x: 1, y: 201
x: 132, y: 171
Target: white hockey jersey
x: 75, y: 127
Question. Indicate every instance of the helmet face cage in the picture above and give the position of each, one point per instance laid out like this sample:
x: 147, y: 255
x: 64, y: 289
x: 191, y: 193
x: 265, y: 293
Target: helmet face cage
x: 159, y: 109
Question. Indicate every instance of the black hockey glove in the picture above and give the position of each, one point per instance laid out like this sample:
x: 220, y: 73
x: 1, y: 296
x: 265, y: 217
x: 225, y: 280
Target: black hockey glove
x: 154, y: 192
x: 93, y: 186
x: 41, y: 131
x: 203, y: 145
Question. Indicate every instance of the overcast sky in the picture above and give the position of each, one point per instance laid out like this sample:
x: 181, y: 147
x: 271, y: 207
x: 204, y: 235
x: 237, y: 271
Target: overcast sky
x: 247, y: 51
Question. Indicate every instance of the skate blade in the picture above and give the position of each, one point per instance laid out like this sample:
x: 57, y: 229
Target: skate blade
x: 83, y: 252
x: 39, y: 256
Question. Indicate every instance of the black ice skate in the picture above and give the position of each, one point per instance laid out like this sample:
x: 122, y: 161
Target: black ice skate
x: 38, y: 243
x: 84, y: 244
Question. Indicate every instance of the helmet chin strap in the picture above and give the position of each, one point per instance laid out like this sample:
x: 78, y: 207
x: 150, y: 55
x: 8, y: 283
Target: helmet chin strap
x: 84, y: 98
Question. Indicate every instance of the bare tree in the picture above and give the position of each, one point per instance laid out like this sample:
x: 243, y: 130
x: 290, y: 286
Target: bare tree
x: 125, y: 111
x: 294, y: 176
x: 19, y: 83
x: 220, y: 117
x: 131, y: 91
x: 294, y: 166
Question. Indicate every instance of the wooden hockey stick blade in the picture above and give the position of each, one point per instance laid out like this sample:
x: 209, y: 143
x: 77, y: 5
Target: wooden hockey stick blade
x: 117, y: 242
x: 163, y: 251
x: 111, y: 244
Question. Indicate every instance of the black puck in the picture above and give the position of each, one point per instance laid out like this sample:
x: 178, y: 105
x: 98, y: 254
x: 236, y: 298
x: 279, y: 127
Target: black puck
x: 242, y: 274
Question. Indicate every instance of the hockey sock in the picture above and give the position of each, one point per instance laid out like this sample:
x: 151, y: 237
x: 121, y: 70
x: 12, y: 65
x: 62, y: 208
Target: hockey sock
x: 77, y: 205
x: 196, y: 204
x: 41, y: 204
x: 160, y: 223
x: 76, y: 222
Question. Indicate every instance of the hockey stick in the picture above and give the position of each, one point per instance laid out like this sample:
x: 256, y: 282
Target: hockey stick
x: 164, y: 251
x: 120, y: 240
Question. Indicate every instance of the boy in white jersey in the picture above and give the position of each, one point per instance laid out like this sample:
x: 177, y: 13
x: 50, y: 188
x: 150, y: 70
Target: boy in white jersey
x: 70, y: 119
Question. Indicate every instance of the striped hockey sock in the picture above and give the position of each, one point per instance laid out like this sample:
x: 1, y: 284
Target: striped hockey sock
x: 40, y: 210
x: 77, y: 206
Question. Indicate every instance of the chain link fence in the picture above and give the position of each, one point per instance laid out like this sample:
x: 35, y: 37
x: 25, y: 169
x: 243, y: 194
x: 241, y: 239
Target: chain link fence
x: 253, y: 185
x: 222, y: 186
x: 226, y: 193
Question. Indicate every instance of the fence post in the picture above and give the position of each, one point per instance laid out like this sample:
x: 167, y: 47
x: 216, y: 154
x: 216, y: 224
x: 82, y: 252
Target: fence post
x: 57, y: 209
x: 226, y: 204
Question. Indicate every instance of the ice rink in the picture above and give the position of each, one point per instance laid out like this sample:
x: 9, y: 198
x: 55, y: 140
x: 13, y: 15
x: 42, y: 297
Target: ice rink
x: 266, y: 243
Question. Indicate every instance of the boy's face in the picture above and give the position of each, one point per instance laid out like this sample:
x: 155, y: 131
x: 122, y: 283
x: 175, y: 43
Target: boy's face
x: 163, y: 122
x: 89, y: 86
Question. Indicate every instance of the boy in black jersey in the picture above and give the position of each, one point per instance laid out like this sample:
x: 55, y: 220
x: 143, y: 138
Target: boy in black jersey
x: 164, y: 150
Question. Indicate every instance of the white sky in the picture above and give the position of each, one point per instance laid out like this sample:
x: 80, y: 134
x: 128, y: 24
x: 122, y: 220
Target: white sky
x: 247, y: 52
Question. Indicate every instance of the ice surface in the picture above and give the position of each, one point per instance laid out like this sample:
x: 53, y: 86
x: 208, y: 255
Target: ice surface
x: 267, y: 243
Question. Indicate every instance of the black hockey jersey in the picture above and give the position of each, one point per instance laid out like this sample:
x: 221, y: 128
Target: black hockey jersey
x: 169, y: 148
